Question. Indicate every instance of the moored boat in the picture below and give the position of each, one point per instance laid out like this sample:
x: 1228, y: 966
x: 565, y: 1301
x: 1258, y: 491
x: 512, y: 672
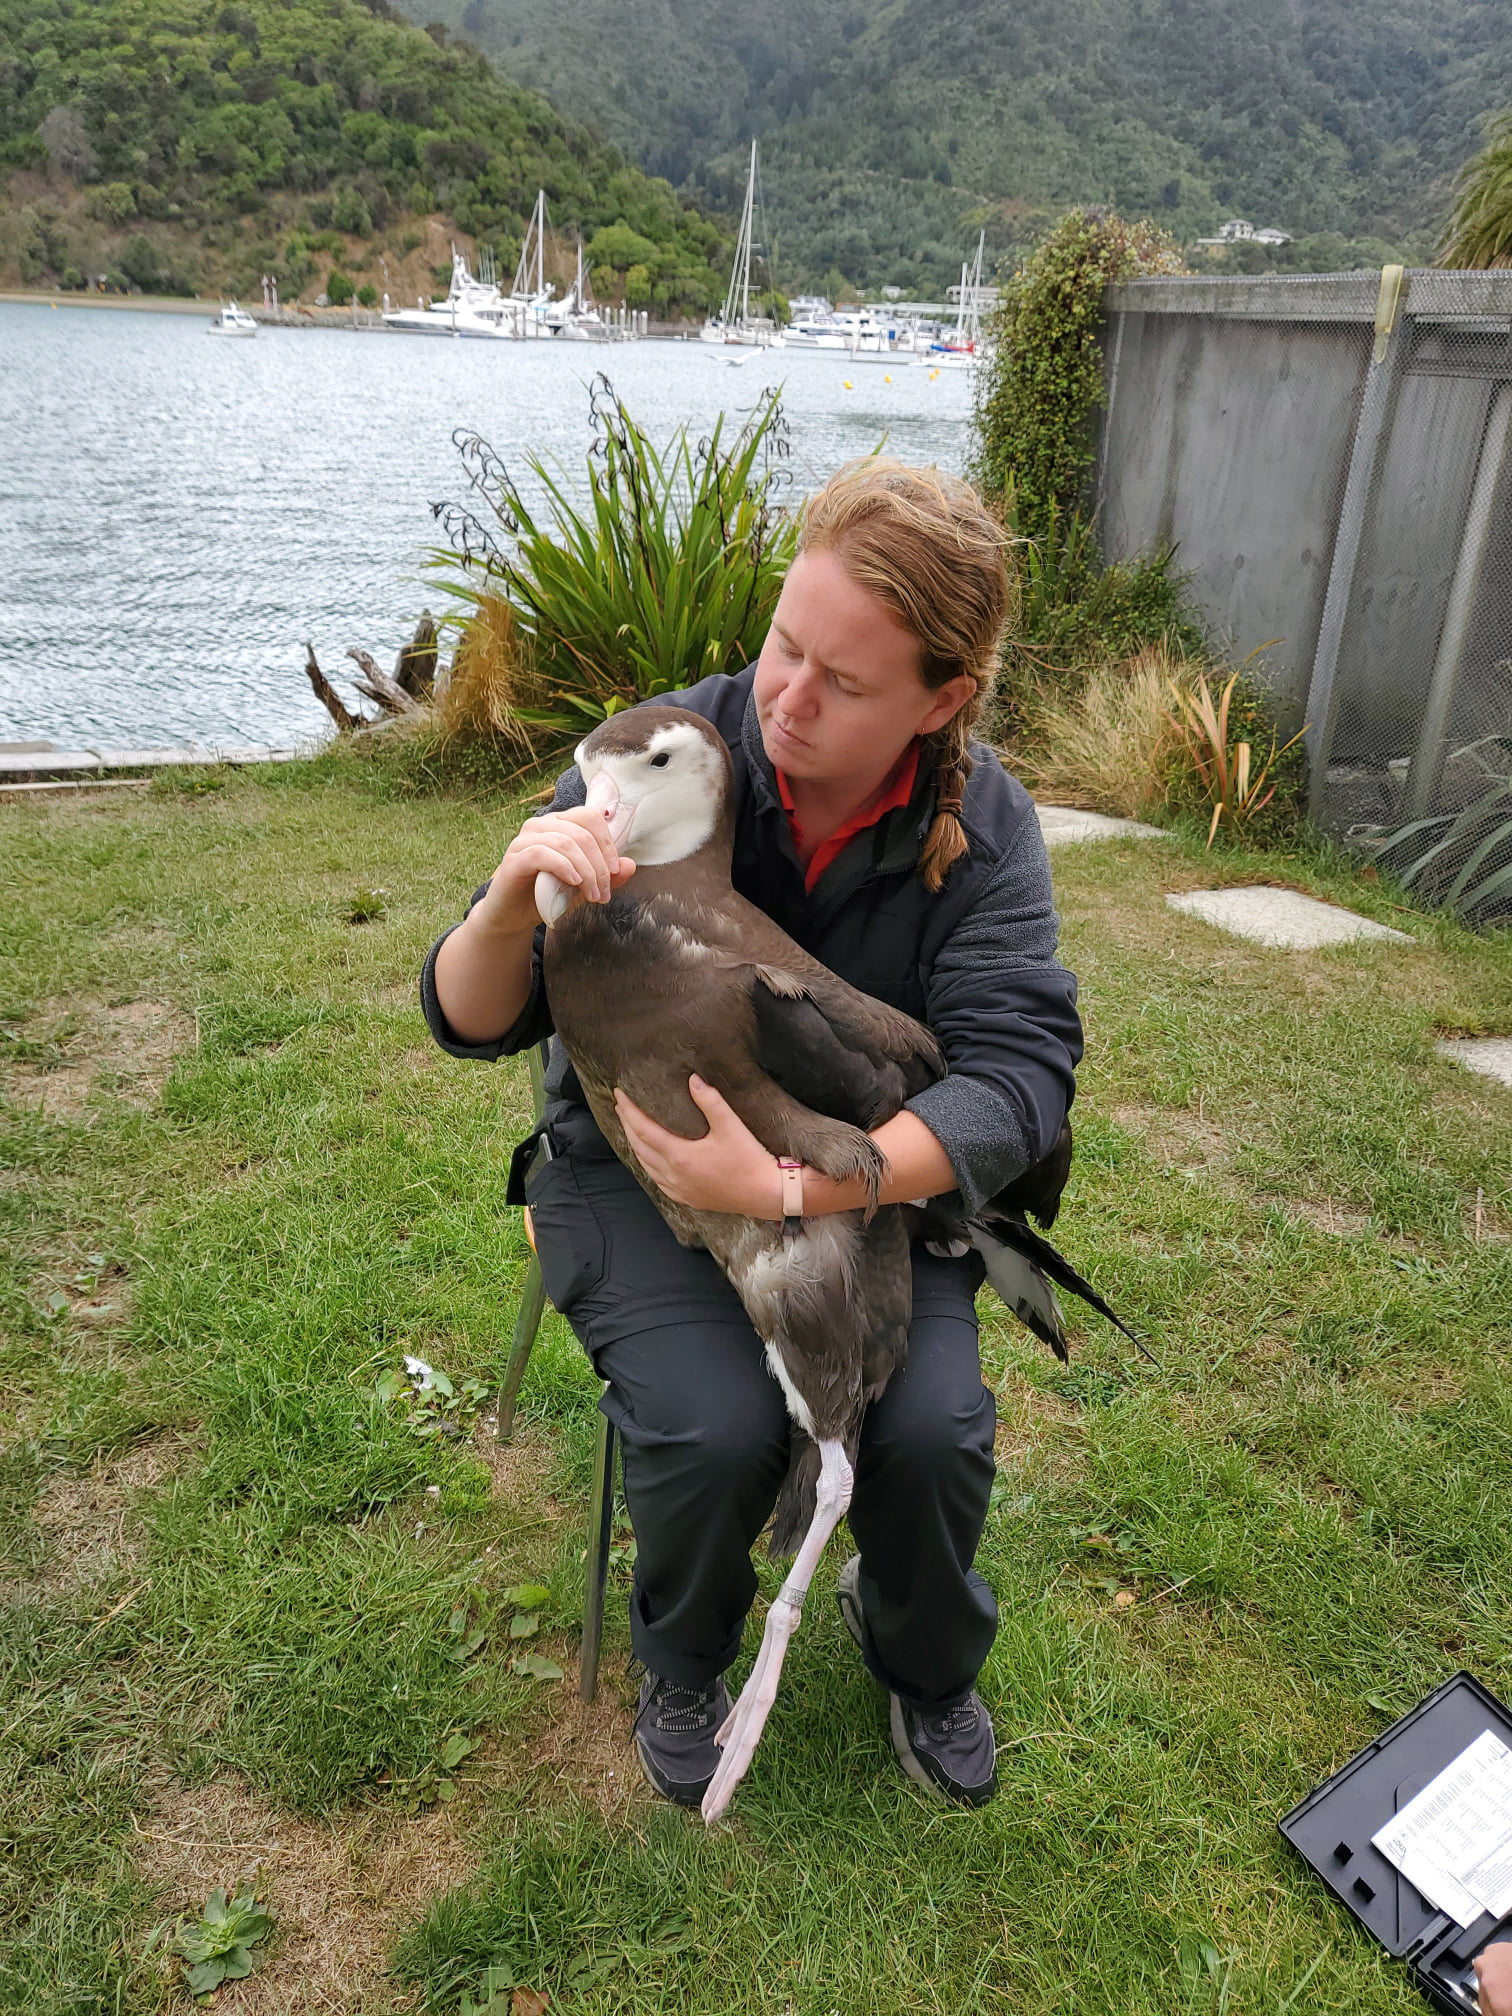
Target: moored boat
x: 233, y: 321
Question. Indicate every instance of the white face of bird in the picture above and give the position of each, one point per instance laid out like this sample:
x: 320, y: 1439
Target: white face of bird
x: 663, y: 798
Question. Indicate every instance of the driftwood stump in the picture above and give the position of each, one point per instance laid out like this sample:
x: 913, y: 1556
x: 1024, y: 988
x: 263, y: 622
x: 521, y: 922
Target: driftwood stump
x: 415, y: 670
x: 378, y: 685
x: 329, y: 698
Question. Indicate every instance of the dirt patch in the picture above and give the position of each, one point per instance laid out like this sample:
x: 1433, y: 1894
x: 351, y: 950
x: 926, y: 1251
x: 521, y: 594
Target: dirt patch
x: 1327, y: 1216
x: 519, y: 1468
x: 1176, y: 1137
x: 128, y: 1046
x: 585, y: 1750
x: 339, y: 1890
x: 87, y: 1516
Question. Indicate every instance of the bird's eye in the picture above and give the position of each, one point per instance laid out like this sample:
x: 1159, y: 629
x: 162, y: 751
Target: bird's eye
x: 660, y: 762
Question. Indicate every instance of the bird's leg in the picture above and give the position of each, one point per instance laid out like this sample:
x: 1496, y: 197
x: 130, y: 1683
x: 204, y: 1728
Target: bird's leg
x: 742, y: 1730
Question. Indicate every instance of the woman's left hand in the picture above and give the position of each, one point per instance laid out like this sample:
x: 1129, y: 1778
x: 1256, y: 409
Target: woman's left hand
x: 728, y: 1170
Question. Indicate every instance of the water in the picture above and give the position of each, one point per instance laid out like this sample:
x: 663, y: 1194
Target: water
x: 179, y: 513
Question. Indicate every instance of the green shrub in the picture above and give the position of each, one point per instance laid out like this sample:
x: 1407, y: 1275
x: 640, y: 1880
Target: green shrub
x: 1044, y: 378
x: 669, y: 573
x: 111, y: 202
x: 367, y: 295
x: 350, y: 214
x: 338, y: 289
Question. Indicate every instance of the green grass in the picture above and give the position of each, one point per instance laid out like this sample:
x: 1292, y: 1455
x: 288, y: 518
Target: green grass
x: 204, y: 1275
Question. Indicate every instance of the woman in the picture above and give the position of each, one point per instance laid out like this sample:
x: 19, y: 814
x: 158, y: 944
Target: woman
x: 896, y: 850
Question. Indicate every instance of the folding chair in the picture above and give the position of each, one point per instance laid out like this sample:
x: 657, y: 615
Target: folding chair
x: 601, y: 1506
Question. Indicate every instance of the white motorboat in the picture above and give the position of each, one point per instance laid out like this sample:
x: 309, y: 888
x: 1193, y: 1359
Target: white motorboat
x: 473, y: 307
x: 233, y: 321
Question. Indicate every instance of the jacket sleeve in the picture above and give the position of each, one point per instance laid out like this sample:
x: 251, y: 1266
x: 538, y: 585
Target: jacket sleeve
x: 1004, y: 1010
x: 534, y: 1020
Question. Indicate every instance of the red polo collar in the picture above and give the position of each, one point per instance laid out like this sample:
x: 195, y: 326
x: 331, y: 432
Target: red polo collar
x: 898, y: 792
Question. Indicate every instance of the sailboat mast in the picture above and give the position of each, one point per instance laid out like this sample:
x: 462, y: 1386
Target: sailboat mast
x: 738, y: 300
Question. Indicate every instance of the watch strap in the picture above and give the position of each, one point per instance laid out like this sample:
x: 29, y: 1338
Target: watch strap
x: 792, y: 1186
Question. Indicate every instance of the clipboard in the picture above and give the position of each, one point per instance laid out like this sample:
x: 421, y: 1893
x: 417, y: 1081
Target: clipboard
x: 1332, y: 1826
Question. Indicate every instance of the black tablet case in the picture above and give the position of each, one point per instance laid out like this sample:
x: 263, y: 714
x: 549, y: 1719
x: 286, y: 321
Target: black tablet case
x: 1331, y: 1831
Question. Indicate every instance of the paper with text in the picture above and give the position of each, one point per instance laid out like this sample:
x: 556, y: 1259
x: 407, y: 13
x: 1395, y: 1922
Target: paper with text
x: 1453, y: 1841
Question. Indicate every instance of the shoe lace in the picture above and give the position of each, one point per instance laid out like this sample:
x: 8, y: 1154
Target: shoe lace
x: 683, y: 1710
x: 958, y: 1721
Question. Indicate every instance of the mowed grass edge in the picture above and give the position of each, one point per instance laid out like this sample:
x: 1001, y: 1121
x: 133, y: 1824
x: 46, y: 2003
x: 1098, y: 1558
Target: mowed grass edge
x: 1218, y: 1575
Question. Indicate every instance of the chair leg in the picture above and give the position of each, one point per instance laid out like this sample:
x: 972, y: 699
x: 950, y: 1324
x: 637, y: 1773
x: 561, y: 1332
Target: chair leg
x: 600, y: 1524
x: 527, y: 1323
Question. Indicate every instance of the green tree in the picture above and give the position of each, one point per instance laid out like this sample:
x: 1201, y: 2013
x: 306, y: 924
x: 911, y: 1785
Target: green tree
x: 638, y: 287
x: 1479, y: 232
x: 338, y: 289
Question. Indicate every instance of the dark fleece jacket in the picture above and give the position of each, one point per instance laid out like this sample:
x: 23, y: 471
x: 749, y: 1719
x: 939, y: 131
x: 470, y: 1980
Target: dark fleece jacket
x: 976, y: 961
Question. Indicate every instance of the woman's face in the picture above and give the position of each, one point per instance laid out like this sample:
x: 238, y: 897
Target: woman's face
x: 838, y: 691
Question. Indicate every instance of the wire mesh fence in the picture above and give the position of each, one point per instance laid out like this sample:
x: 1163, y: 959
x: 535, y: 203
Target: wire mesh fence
x: 1331, y: 456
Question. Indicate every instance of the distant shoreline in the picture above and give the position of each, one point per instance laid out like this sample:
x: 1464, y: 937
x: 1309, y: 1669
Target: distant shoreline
x: 282, y: 318
x: 155, y: 304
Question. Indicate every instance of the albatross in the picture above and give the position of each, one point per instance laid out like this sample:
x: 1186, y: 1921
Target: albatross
x: 678, y: 974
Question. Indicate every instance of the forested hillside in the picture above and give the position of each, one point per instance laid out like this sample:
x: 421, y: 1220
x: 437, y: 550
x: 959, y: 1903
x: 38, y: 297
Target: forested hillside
x: 190, y: 142
x: 891, y: 129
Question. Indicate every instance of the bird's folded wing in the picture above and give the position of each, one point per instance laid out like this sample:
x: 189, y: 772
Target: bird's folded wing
x: 836, y: 1050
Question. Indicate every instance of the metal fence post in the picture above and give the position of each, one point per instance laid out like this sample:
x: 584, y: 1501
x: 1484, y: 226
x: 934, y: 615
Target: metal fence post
x: 1377, y: 405
x: 1427, y: 768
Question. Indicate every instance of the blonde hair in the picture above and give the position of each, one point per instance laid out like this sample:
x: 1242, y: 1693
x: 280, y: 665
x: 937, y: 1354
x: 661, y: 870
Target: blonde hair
x: 927, y: 547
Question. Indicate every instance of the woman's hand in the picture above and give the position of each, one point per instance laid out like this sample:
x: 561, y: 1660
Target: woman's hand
x: 574, y: 846
x: 728, y: 1170
x: 1493, y: 1977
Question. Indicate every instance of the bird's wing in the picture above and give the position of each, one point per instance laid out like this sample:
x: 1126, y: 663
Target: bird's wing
x: 1037, y: 1192
x: 837, y: 1050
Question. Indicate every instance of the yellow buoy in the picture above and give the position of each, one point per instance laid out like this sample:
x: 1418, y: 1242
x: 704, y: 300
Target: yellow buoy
x: 847, y: 385
x: 887, y: 377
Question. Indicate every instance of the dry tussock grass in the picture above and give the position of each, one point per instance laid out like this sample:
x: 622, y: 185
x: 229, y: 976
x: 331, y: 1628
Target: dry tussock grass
x: 1113, y: 746
x: 492, y: 679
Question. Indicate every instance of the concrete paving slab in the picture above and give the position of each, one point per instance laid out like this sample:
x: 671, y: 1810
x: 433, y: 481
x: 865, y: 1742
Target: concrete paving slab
x: 1062, y: 824
x: 1280, y: 917
x: 40, y: 761
x: 1490, y: 1055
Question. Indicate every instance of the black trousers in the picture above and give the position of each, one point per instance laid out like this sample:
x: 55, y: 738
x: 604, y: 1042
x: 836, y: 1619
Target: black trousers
x: 705, y: 1437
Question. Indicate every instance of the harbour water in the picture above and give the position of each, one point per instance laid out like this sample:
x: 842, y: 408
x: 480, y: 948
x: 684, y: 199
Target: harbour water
x: 177, y: 515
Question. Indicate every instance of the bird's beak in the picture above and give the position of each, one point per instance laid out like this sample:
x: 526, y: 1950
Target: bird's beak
x: 604, y: 796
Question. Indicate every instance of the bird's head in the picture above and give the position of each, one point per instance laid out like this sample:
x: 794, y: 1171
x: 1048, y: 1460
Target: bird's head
x: 663, y: 778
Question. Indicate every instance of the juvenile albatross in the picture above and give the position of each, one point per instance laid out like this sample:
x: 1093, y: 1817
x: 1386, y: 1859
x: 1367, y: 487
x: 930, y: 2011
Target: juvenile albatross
x: 678, y: 974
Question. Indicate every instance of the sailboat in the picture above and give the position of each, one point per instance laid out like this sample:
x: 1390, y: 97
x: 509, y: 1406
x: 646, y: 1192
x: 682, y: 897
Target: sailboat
x: 576, y: 318
x: 737, y: 324
x: 531, y: 293
x: 959, y: 350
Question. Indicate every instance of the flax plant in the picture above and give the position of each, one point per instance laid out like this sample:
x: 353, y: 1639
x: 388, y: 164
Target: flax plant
x: 1235, y: 787
x: 668, y: 571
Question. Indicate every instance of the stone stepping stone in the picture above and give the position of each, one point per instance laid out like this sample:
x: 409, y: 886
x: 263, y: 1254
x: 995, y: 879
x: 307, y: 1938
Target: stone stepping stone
x: 1281, y: 917
x: 1490, y: 1055
x: 1061, y: 824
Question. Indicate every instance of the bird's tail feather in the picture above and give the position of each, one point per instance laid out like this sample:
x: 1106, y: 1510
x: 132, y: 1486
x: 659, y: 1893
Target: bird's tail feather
x: 797, y: 1498
x: 1005, y: 1241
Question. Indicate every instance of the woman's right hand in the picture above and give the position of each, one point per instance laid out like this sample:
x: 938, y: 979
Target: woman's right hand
x: 574, y: 846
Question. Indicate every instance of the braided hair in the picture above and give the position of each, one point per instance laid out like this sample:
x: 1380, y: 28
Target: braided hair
x: 926, y: 545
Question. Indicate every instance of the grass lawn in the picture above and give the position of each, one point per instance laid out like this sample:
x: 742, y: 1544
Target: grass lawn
x: 257, y: 1617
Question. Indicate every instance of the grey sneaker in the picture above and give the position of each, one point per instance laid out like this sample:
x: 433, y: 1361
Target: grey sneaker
x: 952, y: 1755
x: 674, y: 1736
